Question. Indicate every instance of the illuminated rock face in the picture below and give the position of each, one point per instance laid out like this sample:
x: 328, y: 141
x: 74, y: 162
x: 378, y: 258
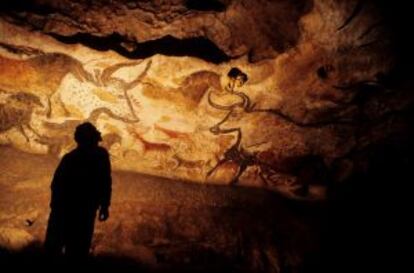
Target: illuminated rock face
x: 259, y: 28
x: 316, y: 87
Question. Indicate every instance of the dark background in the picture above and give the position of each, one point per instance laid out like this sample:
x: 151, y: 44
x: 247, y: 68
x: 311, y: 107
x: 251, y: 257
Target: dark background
x: 368, y: 225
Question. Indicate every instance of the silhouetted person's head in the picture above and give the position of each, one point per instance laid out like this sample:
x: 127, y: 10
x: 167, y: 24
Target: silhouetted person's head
x: 86, y: 135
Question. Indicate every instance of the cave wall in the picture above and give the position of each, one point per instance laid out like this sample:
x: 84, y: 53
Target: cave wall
x: 318, y: 85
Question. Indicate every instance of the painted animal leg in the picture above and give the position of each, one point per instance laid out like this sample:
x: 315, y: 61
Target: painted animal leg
x: 177, y: 162
x: 130, y: 105
x: 49, y: 108
x: 261, y: 175
x: 33, y: 130
x: 240, y: 171
x: 65, y: 110
x: 21, y: 129
x: 60, y: 102
x: 132, y: 85
x: 221, y: 162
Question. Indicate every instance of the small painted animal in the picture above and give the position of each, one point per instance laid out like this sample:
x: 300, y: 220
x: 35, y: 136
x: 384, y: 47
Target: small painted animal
x: 151, y: 146
x: 40, y: 75
x: 189, y: 164
x: 17, y: 111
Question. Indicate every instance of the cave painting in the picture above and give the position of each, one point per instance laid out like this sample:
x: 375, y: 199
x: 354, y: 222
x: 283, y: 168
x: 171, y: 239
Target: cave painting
x: 104, y: 98
x: 308, y: 99
x: 116, y: 104
x: 235, y: 153
x: 193, y: 128
x: 40, y: 75
x: 185, y: 118
x: 16, y: 112
x: 241, y: 154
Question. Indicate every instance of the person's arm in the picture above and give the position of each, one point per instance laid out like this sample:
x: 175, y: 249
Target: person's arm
x: 58, y: 183
x: 105, y: 198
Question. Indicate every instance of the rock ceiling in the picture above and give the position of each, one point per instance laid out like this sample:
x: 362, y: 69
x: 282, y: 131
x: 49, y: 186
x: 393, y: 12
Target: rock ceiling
x: 153, y: 76
x: 258, y: 28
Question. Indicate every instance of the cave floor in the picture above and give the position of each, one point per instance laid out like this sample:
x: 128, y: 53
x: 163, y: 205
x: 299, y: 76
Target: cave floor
x: 162, y: 224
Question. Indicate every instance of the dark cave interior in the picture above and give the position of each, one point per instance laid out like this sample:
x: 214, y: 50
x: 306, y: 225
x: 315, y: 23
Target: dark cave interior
x: 360, y: 225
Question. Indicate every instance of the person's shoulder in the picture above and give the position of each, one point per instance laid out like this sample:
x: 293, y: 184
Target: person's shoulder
x: 68, y: 158
x: 69, y: 155
x: 102, y: 151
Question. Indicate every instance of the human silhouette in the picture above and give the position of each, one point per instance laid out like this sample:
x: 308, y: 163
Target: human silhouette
x: 80, y: 187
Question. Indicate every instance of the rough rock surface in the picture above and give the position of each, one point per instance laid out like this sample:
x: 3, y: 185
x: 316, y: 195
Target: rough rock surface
x: 164, y: 224
x: 321, y: 84
x: 259, y: 28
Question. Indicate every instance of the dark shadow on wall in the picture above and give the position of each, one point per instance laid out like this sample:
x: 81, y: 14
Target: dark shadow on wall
x: 397, y: 17
x: 368, y: 221
x: 368, y: 216
x: 198, y: 47
x: 206, y: 5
